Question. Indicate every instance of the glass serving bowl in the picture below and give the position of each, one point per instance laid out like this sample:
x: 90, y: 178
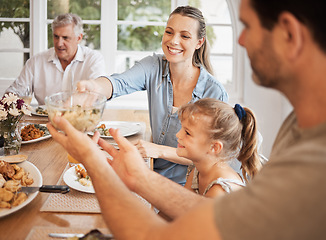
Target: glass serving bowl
x: 83, y: 110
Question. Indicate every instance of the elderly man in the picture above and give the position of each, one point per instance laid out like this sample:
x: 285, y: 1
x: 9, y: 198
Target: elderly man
x: 286, y: 44
x: 59, y: 68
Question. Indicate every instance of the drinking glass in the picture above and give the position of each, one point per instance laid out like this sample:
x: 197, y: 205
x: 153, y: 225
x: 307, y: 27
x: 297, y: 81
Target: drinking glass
x: 72, y: 162
x: 27, y: 95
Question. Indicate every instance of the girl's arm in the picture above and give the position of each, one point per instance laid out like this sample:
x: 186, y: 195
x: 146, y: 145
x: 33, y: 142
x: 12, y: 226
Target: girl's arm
x: 148, y: 149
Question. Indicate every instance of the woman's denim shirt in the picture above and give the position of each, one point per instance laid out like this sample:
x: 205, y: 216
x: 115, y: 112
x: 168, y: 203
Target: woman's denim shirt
x: 152, y: 74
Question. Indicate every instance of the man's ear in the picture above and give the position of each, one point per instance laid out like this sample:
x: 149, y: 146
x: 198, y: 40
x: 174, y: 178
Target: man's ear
x: 292, y: 34
x: 79, y: 38
x: 216, y: 147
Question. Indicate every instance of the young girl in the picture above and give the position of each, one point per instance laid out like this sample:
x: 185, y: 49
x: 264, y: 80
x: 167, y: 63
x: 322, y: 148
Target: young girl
x: 212, y: 133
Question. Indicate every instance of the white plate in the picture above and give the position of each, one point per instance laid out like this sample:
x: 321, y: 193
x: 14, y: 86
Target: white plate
x: 36, y: 175
x: 37, y: 139
x: 126, y: 128
x: 38, y: 114
x: 71, y: 179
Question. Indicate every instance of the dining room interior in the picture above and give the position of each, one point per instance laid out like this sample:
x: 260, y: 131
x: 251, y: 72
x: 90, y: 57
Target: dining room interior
x: 123, y: 31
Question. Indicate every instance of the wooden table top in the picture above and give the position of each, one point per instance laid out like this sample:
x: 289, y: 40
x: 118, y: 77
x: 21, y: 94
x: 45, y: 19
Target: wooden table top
x: 51, y: 159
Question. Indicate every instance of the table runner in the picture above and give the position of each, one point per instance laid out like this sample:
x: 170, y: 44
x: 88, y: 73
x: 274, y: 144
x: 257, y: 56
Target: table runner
x: 76, y: 201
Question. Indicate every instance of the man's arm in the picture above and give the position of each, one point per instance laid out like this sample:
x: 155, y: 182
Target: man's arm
x: 167, y: 196
x: 125, y: 215
x: 131, y: 168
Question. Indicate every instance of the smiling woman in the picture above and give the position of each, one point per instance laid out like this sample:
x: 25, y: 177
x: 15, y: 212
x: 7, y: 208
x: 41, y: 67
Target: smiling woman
x: 181, y: 75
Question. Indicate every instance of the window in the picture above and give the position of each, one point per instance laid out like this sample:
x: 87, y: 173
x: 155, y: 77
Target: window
x: 123, y: 30
x: 14, y: 38
x: 222, y: 36
x: 88, y: 10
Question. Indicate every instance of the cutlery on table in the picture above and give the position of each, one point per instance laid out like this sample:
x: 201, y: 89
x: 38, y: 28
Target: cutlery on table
x: 79, y: 235
x: 46, y: 188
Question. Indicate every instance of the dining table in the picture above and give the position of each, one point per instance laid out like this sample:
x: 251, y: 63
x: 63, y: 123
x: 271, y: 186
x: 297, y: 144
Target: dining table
x: 47, y: 213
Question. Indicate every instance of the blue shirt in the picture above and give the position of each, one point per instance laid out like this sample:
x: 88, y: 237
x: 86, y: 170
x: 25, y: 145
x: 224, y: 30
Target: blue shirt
x: 152, y: 74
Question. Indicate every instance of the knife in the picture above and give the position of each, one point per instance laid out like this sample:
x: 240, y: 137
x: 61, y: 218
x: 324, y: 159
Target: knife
x: 78, y: 235
x: 47, y: 188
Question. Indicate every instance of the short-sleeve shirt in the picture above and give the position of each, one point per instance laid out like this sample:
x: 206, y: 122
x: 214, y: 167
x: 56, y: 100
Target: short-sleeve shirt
x: 286, y: 199
x: 152, y: 74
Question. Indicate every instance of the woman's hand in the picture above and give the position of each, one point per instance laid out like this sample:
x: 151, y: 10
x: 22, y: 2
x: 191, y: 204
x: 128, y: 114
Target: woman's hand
x: 87, y: 85
x: 100, y: 85
x: 148, y: 149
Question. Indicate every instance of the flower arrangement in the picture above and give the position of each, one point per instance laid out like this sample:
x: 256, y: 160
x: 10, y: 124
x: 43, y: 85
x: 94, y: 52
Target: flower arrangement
x: 12, y: 108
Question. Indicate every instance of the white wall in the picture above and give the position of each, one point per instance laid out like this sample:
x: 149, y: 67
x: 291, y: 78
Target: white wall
x: 270, y: 108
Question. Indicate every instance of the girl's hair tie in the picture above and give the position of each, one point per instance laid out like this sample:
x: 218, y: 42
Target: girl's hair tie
x: 241, y: 113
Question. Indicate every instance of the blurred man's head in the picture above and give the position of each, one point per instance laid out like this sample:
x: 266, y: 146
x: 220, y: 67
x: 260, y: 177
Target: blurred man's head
x: 278, y: 35
x: 310, y: 13
x: 67, y: 34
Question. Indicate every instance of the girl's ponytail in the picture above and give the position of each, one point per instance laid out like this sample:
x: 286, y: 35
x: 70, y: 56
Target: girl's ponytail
x: 248, y: 155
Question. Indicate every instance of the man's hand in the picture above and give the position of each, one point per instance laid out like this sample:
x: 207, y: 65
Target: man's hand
x: 77, y: 143
x: 127, y: 162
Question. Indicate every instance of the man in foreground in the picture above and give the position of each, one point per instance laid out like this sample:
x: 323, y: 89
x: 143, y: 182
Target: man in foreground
x: 286, y: 43
x: 59, y: 68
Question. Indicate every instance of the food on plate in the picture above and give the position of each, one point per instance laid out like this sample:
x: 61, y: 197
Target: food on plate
x: 80, y: 171
x: 6, y: 170
x: 30, y: 132
x: 33, y: 131
x: 2, y: 180
x: 5, y: 195
x: 103, y: 130
x: 83, y: 178
x: 11, y: 183
x: 4, y: 204
x: 19, y: 199
x: 41, y: 111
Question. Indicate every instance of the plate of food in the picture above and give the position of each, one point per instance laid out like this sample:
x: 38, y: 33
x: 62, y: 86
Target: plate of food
x: 77, y: 178
x: 33, y: 132
x: 31, y: 176
x: 40, y: 111
x: 126, y: 128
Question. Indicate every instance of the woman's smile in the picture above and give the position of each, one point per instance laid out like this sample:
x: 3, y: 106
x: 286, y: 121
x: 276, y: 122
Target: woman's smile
x: 174, y: 50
